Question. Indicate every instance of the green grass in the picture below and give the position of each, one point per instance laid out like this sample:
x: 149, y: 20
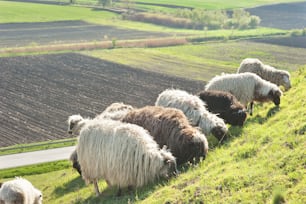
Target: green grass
x: 203, y: 61
x: 34, y: 169
x: 29, y: 12
x: 205, y: 4
x: 261, y: 163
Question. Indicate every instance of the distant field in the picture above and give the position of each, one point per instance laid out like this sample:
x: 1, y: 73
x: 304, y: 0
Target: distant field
x: 57, y: 32
x: 38, y: 93
x: 205, y: 60
x: 282, y: 16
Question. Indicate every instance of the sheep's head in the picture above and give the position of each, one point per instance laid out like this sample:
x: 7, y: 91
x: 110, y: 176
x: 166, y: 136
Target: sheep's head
x: 285, y: 80
x: 38, y: 197
x: 169, y: 168
x: 73, y: 124
x: 236, y: 116
x: 275, y: 95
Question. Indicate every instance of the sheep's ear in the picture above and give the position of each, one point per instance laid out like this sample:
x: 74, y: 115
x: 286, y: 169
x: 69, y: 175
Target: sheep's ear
x: 165, y: 147
x: 1, y: 184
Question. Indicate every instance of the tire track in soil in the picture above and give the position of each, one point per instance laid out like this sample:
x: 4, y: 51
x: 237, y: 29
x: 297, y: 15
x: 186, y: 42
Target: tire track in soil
x: 38, y: 93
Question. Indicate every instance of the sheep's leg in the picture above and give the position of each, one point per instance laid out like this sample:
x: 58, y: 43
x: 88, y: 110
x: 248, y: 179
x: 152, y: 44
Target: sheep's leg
x: 130, y: 189
x: 119, y: 192
x: 95, y: 182
x: 251, y: 108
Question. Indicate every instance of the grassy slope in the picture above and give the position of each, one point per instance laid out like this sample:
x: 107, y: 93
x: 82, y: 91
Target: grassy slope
x: 203, y: 61
x: 264, y: 157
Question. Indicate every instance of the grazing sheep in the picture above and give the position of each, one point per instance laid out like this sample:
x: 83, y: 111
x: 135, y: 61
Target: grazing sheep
x: 266, y: 72
x: 246, y: 87
x: 19, y: 191
x: 75, y: 162
x: 225, y: 105
x: 115, y: 111
x: 76, y: 123
x: 170, y: 127
x: 194, y: 108
x: 125, y: 155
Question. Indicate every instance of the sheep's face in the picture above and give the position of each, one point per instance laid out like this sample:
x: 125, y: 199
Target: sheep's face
x: 286, y: 81
x: 219, y: 132
x: 73, y: 123
x: 38, y: 198
x: 169, y: 168
x: 199, y: 149
x: 275, y: 96
x: 236, y: 117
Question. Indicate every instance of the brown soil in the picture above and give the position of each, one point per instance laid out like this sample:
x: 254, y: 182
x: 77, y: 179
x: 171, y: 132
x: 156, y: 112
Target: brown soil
x: 38, y: 93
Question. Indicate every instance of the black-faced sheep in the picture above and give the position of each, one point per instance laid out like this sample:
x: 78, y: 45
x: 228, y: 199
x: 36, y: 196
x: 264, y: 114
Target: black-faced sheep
x: 170, y: 127
x: 194, y: 108
x: 75, y: 162
x: 115, y: 111
x: 266, y: 72
x: 225, y: 105
x: 246, y: 87
x: 19, y: 191
x: 125, y: 155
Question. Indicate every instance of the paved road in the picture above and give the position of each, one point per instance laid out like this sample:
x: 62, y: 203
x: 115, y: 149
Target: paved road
x: 28, y: 158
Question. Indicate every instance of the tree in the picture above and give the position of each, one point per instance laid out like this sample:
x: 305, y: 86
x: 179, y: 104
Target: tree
x: 105, y: 3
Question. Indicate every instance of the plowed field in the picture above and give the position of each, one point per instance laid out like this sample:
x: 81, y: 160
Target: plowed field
x: 284, y: 16
x: 22, y: 34
x: 38, y: 93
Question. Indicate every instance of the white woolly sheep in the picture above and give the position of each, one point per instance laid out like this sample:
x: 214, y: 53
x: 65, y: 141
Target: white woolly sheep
x: 170, y: 127
x: 115, y: 111
x: 19, y: 191
x: 246, y: 87
x: 76, y: 123
x: 266, y: 72
x: 194, y: 108
x: 125, y: 155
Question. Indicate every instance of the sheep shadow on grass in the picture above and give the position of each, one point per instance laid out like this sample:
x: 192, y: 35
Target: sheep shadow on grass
x: 71, y: 186
x: 261, y: 120
x: 109, y: 194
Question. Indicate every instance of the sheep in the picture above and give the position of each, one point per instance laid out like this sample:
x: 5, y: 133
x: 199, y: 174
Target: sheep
x: 267, y: 72
x: 246, y: 87
x: 170, y: 127
x: 125, y: 155
x: 194, y: 108
x: 225, y: 105
x: 76, y: 123
x: 19, y: 191
x: 115, y: 111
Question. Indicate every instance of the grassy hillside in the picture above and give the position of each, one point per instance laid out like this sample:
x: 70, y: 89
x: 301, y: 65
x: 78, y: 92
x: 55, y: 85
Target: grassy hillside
x: 203, y: 61
x: 264, y: 160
